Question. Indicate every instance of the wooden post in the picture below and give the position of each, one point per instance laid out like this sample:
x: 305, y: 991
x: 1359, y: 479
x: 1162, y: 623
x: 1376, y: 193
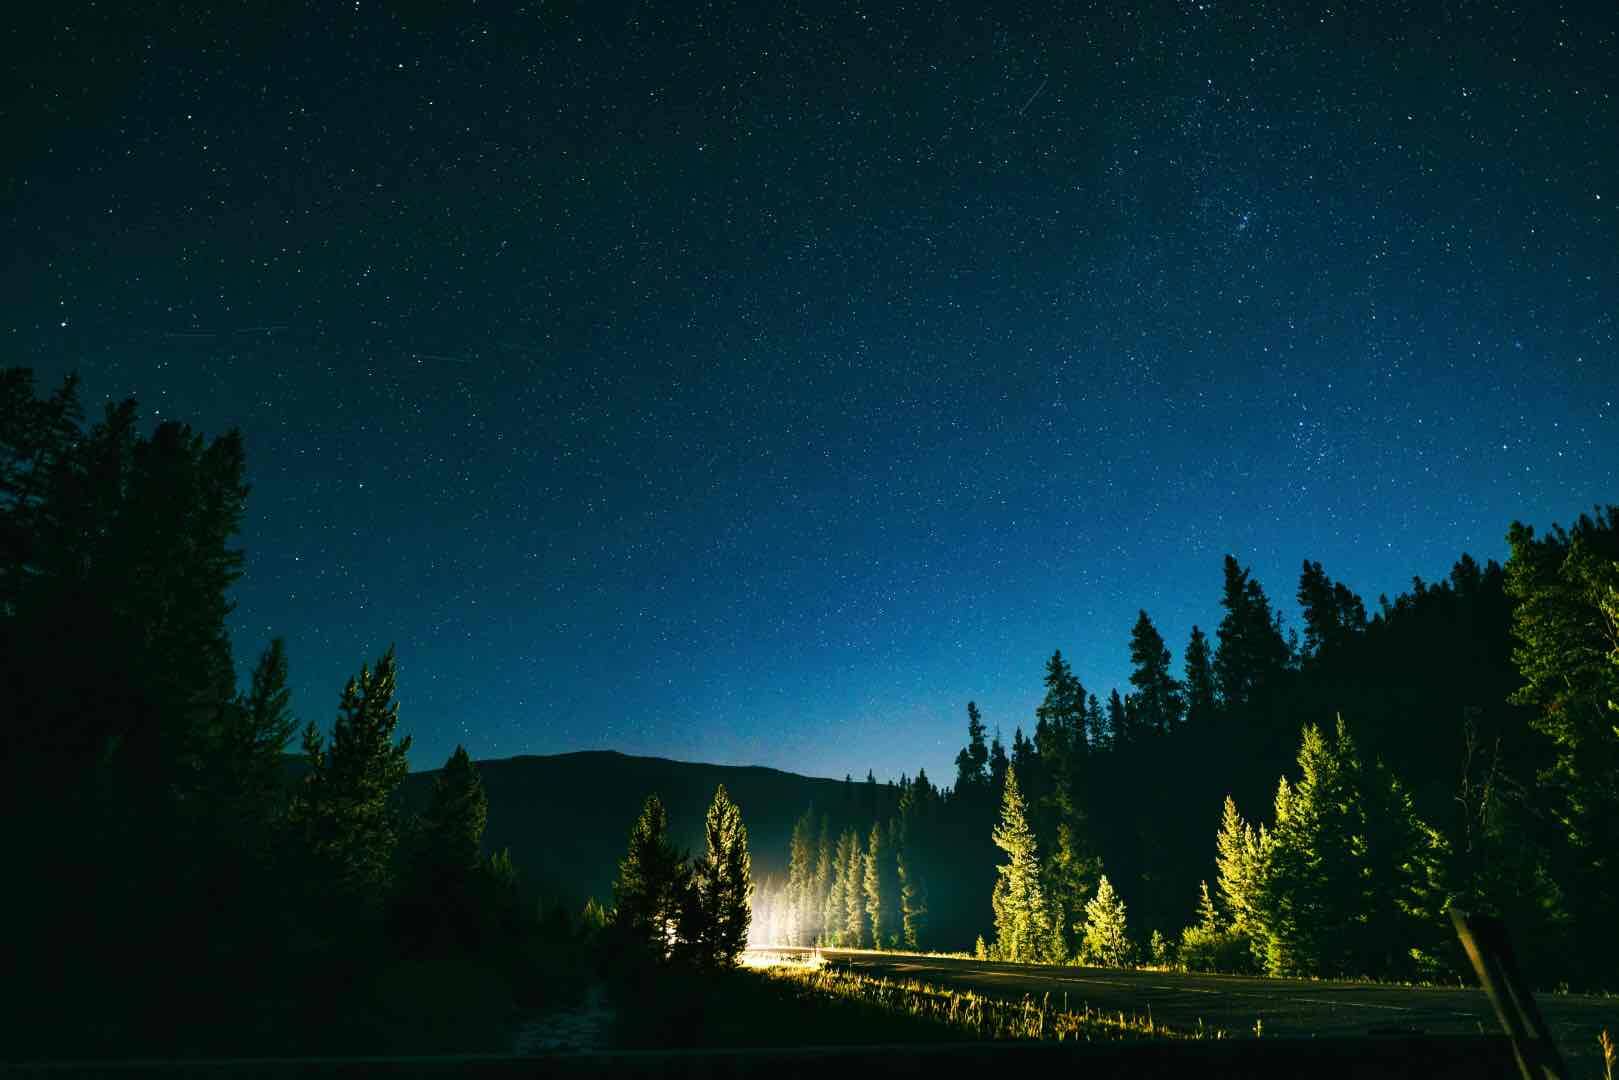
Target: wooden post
x: 1485, y: 939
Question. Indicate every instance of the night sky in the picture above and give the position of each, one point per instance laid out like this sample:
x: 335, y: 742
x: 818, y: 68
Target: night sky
x: 758, y: 383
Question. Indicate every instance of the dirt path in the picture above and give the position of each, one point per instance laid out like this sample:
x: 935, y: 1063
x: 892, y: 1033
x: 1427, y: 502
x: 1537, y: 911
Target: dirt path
x: 586, y: 1027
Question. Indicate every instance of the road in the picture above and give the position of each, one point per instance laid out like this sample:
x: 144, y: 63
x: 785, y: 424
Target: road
x: 1285, y: 1007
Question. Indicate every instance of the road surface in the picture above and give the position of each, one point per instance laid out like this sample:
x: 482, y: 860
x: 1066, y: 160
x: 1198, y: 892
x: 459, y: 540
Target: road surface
x: 1284, y: 1007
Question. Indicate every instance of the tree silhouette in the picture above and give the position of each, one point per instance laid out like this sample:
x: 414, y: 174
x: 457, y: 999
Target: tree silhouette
x: 343, y: 809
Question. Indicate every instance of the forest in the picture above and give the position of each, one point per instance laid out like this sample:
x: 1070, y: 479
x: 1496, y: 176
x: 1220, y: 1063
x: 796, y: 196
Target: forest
x: 1285, y: 803
x: 1292, y: 803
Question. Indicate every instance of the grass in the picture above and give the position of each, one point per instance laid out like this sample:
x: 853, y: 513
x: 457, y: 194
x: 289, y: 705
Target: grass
x: 965, y: 1014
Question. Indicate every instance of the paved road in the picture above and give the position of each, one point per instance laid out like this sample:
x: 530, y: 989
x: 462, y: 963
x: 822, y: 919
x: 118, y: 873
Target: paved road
x: 1285, y: 1006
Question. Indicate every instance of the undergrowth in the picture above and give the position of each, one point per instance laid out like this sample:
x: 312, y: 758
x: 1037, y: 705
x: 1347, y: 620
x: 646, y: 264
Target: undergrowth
x: 981, y: 1017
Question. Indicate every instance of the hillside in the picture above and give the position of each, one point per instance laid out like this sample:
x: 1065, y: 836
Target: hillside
x: 566, y: 817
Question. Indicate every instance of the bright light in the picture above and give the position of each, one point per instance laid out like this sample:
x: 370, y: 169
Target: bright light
x: 807, y: 959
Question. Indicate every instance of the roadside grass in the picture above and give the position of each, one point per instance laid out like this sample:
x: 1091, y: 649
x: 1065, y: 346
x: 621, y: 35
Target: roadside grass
x: 1454, y: 983
x: 974, y: 1016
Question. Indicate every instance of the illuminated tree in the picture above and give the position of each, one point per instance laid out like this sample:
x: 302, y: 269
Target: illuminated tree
x: 1306, y: 902
x: 1239, y: 862
x: 1349, y: 874
x: 882, y: 888
x: 854, y: 897
x: 800, y: 881
x: 1563, y: 586
x: 913, y: 893
x: 837, y: 899
x: 1022, y: 918
x: 715, y: 927
x: 1105, y: 938
x: 821, y: 883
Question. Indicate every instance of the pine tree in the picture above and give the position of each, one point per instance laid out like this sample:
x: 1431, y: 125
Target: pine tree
x: 881, y: 888
x: 1308, y: 900
x: 998, y: 763
x: 1563, y: 587
x: 1239, y: 862
x: 836, y: 916
x: 1332, y: 613
x: 452, y: 828
x: 344, y: 807
x: 1199, y: 680
x: 1251, y: 653
x: 722, y: 886
x: 908, y: 850
x: 652, y: 878
x: 855, y: 923
x: 1117, y: 721
x: 1022, y: 919
x: 1059, y: 731
x: 255, y: 732
x: 821, y: 883
x: 1105, y: 938
x: 1100, y: 735
x: 972, y: 777
x: 800, y: 875
x: 1158, y: 695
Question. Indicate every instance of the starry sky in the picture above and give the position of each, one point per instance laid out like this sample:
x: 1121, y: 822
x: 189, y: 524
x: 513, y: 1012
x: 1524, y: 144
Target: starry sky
x: 758, y: 383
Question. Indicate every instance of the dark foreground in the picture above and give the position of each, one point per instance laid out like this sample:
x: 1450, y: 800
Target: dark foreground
x: 1475, y: 1058
x: 1284, y: 1008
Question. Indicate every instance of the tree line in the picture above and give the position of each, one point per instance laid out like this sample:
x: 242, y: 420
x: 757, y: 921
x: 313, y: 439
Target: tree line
x: 161, y: 834
x: 1454, y: 746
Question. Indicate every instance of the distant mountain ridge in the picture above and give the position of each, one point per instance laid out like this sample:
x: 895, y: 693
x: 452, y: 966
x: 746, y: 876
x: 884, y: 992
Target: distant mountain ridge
x: 567, y: 817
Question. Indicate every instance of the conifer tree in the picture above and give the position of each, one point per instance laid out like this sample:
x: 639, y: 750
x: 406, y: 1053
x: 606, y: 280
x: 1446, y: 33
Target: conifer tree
x: 1117, y: 721
x: 1308, y: 900
x: 1251, y: 651
x: 998, y: 763
x: 452, y: 828
x: 344, y: 808
x: 652, y: 878
x: 1059, y: 731
x: 1562, y: 586
x: 972, y: 776
x: 254, y: 734
x: 1022, y: 918
x: 855, y: 922
x: 836, y: 919
x: 821, y: 883
x: 1332, y: 613
x: 1239, y: 862
x: 1105, y: 938
x: 882, y: 888
x: 1100, y: 736
x: 800, y: 880
x: 908, y: 851
x: 1199, y: 680
x: 722, y: 885
x: 1159, y: 701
